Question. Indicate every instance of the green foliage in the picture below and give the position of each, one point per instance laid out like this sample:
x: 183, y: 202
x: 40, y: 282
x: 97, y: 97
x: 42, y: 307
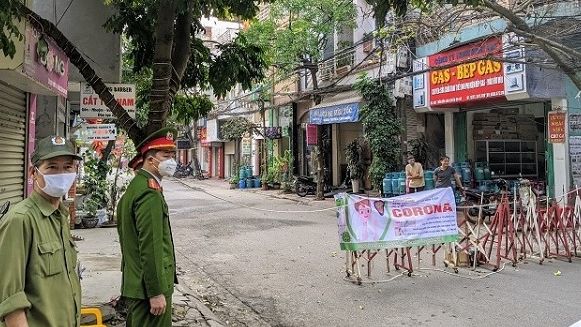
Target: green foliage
x: 9, y: 21
x: 95, y: 182
x: 382, y: 128
x: 235, y: 128
x: 188, y: 108
x: 303, y: 40
x: 235, y: 62
x: 354, y: 155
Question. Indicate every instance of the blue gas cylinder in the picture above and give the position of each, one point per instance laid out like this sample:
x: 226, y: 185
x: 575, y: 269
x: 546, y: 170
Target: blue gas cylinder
x: 429, y: 179
x: 487, y: 173
x: 242, y: 184
x: 479, y: 171
x: 387, y: 184
x: 242, y: 173
x: 402, y: 183
x: 395, y: 184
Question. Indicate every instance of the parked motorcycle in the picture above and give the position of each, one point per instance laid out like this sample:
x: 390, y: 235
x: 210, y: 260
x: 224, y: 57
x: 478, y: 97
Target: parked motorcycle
x: 183, y: 171
x: 305, y: 185
x: 490, y: 199
x: 4, y: 209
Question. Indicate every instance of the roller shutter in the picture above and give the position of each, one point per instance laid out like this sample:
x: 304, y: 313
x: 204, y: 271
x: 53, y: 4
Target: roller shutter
x: 12, y: 143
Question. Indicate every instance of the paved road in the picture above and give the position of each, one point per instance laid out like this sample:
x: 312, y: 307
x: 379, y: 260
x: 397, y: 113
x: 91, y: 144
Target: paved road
x: 259, y: 268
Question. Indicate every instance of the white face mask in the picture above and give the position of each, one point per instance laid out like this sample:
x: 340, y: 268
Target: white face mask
x: 167, y: 167
x: 57, y: 185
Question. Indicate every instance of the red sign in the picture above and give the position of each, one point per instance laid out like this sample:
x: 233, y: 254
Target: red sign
x: 312, y: 134
x: 557, y: 126
x: 469, y: 75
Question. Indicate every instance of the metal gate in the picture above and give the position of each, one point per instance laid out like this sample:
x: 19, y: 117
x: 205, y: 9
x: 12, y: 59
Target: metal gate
x: 12, y: 143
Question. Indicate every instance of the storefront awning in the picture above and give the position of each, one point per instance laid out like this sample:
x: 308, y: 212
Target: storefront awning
x: 336, y: 112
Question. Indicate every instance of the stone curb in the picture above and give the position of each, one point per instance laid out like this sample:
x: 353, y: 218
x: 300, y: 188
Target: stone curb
x: 206, y: 313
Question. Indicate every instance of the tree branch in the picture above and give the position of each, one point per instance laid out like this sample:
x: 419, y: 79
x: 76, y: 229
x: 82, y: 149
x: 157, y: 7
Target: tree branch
x: 124, y: 121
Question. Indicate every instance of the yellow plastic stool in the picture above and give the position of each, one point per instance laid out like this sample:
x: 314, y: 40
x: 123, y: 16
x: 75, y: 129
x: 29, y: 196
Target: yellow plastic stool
x: 94, y: 312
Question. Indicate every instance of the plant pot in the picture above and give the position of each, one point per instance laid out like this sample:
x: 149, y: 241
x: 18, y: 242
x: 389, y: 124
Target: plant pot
x: 233, y: 186
x: 90, y: 222
x: 264, y: 186
x: 355, y: 185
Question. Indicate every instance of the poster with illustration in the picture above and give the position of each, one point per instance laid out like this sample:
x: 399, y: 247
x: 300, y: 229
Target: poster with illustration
x: 417, y: 219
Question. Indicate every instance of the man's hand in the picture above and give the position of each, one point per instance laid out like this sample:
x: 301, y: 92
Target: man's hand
x: 157, y: 305
x: 16, y: 319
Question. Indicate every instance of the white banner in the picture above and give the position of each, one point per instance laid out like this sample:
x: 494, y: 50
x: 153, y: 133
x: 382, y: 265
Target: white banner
x: 93, y: 107
x: 416, y: 219
x: 98, y: 132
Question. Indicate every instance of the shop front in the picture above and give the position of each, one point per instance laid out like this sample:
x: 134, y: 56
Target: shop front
x: 38, y: 67
x: 496, y: 110
x: 338, y: 117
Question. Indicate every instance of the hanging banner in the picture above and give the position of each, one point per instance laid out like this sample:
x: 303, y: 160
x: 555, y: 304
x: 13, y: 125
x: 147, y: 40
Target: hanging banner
x: 556, y: 126
x: 417, y: 219
x: 312, y: 134
x: 92, y: 107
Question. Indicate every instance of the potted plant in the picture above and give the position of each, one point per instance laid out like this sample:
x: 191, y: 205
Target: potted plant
x: 234, y: 181
x: 90, y: 219
x: 355, y: 164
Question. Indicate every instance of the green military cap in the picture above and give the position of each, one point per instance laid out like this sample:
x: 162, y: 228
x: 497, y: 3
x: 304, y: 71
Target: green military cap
x: 53, y: 146
x: 161, y: 139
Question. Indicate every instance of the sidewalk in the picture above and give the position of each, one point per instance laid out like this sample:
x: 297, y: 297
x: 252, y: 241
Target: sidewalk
x: 100, y: 258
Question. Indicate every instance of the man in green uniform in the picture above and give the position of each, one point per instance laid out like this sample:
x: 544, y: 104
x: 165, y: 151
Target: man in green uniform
x: 148, y: 259
x: 39, y: 281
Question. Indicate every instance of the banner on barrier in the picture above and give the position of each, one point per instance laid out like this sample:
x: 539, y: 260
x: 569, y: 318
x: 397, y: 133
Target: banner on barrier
x: 416, y: 219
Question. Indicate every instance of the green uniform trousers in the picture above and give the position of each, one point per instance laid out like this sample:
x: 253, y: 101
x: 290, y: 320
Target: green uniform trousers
x: 138, y: 314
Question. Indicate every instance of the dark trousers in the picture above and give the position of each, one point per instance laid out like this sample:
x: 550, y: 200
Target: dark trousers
x: 416, y: 189
x: 138, y: 314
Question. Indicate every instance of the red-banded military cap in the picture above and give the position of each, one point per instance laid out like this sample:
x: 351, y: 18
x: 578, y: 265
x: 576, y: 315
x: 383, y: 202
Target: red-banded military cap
x: 136, y: 161
x: 163, y: 139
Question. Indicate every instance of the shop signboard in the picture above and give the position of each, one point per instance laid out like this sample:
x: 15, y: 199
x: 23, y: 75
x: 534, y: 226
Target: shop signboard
x: 575, y: 157
x: 45, y: 62
x: 557, y: 126
x: 312, y: 135
x: 335, y: 114
x: 93, y: 107
x: 246, y: 146
x: 417, y: 219
x: 469, y: 73
x: 574, y: 124
x: 98, y: 132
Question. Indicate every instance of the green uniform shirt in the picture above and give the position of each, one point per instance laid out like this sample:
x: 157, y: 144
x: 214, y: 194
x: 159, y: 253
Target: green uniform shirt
x: 39, y: 265
x: 148, y: 260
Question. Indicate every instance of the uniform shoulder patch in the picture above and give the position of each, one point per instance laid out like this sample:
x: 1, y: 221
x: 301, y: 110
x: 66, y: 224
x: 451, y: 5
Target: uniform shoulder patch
x: 153, y: 184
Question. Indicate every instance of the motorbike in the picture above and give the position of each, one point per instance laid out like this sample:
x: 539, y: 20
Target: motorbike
x: 490, y: 199
x: 4, y: 209
x: 305, y: 185
x: 183, y: 171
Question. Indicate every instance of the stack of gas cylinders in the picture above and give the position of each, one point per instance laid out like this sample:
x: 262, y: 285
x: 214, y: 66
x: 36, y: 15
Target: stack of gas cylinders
x: 394, y: 183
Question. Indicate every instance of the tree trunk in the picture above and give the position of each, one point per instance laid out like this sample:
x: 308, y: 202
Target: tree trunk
x: 193, y: 136
x: 124, y: 121
x: 319, y: 158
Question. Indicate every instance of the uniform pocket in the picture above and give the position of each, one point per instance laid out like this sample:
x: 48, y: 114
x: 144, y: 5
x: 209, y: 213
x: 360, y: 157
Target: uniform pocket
x: 51, y: 260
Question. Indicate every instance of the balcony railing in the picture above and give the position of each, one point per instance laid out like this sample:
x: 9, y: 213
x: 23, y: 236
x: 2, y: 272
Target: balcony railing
x: 338, y: 65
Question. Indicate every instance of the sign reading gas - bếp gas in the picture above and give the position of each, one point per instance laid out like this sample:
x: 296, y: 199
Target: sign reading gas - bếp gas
x: 415, y: 219
x: 98, y: 132
x: 474, y: 78
x: 92, y: 107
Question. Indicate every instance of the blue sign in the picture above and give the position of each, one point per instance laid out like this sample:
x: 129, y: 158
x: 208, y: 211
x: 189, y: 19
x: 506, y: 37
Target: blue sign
x: 340, y: 113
